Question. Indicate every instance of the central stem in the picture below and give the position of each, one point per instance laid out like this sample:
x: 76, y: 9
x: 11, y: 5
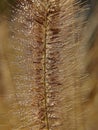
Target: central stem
x: 45, y: 42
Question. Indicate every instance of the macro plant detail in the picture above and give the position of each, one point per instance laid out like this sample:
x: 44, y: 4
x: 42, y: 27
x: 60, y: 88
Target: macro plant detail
x: 46, y: 64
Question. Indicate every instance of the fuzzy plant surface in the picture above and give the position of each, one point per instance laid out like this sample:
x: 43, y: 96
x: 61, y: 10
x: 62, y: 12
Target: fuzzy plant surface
x: 48, y: 82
